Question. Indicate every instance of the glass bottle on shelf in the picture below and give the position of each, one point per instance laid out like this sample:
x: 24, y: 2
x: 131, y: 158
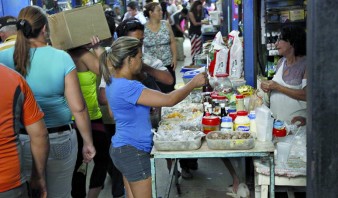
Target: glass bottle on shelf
x: 270, y: 68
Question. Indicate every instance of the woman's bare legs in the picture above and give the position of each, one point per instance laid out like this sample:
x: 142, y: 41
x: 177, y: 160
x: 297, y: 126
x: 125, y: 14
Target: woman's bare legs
x: 128, y: 193
x: 140, y: 189
x: 233, y: 174
x: 94, y: 192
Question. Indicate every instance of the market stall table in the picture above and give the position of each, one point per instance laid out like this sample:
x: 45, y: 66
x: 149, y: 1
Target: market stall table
x: 290, y: 175
x: 261, y: 149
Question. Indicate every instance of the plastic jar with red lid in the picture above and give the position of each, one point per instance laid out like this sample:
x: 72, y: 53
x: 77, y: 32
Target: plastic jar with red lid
x: 279, y: 129
x: 222, y: 99
x: 242, y: 121
x: 240, y: 103
x: 210, y: 123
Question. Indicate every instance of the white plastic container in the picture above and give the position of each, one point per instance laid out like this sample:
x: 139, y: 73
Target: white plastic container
x: 240, y: 103
x: 265, y: 123
x: 227, y: 125
x: 253, y: 127
x: 242, y: 121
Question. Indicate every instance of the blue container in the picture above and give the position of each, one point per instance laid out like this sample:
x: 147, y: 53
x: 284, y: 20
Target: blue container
x: 187, y: 68
x: 187, y: 76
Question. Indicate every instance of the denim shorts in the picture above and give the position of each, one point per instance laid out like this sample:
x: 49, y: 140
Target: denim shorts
x: 134, y: 164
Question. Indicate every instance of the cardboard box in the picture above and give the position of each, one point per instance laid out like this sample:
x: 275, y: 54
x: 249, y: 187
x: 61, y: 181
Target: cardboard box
x: 297, y: 15
x: 74, y: 28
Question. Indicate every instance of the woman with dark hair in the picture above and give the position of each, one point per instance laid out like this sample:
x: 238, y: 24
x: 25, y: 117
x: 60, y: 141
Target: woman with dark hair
x: 52, y: 76
x: 130, y: 102
x: 151, y: 65
x: 165, y: 14
x: 288, y: 87
x: 132, y: 11
x: 159, y: 41
x: 195, y: 32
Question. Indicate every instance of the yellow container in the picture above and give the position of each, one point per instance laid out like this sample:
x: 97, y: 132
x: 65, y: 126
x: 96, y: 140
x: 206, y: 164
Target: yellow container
x: 297, y: 15
x: 284, y: 16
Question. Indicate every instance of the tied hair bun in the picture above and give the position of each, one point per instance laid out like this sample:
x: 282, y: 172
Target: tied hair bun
x: 25, y: 27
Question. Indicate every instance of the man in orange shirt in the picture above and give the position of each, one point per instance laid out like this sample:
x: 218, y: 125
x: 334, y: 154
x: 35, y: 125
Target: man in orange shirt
x: 19, y: 108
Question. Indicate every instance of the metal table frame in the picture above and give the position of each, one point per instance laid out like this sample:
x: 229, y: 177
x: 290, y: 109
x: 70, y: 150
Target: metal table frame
x: 261, y: 149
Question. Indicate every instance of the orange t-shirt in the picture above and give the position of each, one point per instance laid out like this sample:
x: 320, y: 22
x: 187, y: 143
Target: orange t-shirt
x: 17, y: 107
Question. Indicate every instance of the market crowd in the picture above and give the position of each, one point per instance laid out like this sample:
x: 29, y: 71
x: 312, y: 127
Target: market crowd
x: 54, y: 117
x: 60, y: 110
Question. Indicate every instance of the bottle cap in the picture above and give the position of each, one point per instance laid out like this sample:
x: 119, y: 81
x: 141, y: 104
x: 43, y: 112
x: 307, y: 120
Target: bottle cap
x: 231, y: 110
x: 252, y: 115
x: 222, y: 75
x: 278, y: 124
x: 221, y: 97
x: 210, y: 120
x: 239, y: 96
x: 242, y: 113
x: 233, y: 115
x: 226, y: 119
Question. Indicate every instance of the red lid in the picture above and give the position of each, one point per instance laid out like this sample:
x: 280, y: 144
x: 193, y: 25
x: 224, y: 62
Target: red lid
x: 222, y: 75
x: 233, y: 115
x: 210, y: 120
x: 242, y: 113
x: 239, y: 96
x: 214, y: 95
x: 279, y: 132
x: 221, y: 97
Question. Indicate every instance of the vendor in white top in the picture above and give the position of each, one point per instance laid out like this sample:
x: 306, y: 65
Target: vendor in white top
x: 288, y: 86
x: 133, y: 12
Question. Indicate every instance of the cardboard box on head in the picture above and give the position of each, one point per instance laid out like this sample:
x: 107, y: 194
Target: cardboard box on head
x: 73, y: 28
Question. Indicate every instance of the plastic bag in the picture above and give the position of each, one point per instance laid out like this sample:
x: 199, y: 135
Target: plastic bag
x: 236, y: 55
x: 218, y: 54
x: 255, y: 101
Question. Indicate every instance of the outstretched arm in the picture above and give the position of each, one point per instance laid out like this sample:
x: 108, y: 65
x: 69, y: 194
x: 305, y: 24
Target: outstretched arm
x: 162, y: 76
x: 155, y: 98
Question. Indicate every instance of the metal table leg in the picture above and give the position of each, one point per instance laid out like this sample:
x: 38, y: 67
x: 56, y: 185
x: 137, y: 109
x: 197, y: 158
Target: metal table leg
x: 173, y: 173
x: 153, y: 177
x: 272, y: 175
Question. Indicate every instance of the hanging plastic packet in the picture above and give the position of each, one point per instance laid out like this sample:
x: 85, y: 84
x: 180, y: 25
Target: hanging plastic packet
x: 83, y: 168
